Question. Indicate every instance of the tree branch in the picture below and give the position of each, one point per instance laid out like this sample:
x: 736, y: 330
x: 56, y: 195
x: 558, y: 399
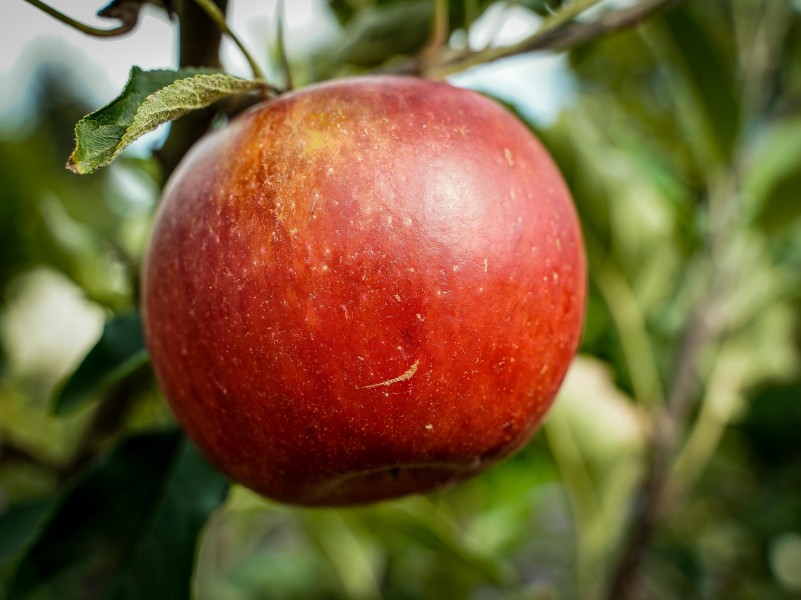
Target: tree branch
x: 608, y: 23
x: 439, y: 30
x: 200, y: 47
x: 555, y: 34
x: 658, y: 489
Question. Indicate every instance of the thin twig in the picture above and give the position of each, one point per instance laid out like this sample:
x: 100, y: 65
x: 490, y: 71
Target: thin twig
x: 555, y: 34
x: 609, y: 22
x: 669, y: 473
x: 669, y: 425
x: 439, y: 30
x: 216, y: 15
x: 283, y: 59
x: 489, y: 54
x: 648, y: 506
x: 127, y: 24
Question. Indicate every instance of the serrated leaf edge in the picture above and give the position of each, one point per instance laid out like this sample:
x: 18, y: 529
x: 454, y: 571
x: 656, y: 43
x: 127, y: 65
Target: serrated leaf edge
x: 219, y: 86
x: 147, y: 118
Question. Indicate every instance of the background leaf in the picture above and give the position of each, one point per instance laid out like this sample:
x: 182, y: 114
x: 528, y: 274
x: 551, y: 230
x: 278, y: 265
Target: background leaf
x: 773, y: 179
x: 706, y: 77
x: 20, y: 526
x: 119, y: 351
x: 127, y: 529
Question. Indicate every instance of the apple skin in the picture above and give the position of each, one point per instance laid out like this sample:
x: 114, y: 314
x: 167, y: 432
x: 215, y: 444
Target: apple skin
x: 364, y: 289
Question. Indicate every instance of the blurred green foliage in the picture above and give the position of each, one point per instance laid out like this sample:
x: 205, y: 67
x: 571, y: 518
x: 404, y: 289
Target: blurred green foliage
x: 682, y: 147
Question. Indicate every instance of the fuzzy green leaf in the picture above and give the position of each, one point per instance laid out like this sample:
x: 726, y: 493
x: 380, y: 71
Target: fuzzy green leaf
x: 149, y: 99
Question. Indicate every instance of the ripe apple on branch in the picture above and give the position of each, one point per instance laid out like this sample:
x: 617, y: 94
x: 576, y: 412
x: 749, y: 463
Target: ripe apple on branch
x: 364, y: 289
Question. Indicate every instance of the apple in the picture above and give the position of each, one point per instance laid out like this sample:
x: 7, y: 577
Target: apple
x: 364, y: 289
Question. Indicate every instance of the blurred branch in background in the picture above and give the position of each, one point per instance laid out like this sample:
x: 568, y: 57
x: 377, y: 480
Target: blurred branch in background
x: 557, y: 32
x: 707, y: 327
x: 128, y: 13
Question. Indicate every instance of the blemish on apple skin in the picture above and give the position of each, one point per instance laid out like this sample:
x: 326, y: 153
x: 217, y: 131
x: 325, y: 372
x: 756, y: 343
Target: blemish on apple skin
x: 509, y: 158
x: 407, y: 375
x: 430, y: 427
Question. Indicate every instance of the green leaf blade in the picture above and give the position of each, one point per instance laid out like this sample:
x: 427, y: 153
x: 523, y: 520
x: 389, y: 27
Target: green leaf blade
x: 709, y: 76
x: 150, y: 98
x: 20, y: 526
x: 119, y: 352
x: 130, y: 525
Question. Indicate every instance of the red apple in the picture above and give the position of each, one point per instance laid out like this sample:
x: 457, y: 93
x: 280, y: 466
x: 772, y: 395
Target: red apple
x: 364, y: 289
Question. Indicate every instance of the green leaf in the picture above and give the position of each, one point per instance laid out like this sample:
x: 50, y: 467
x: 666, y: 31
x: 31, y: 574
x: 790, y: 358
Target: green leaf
x: 462, y: 12
x: 21, y: 525
x: 709, y: 76
x: 773, y: 177
x: 379, y: 33
x: 119, y: 352
x: 149, y: 99
x: 128, y: 529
